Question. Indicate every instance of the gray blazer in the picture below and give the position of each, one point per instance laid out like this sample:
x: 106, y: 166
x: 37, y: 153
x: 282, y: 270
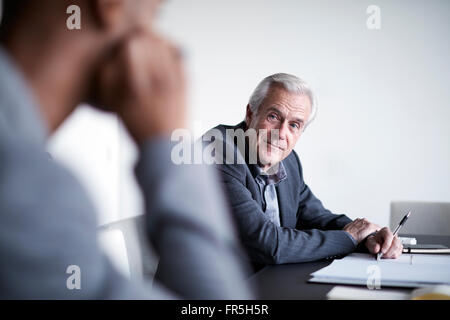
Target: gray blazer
x: 48, y: 223
x: 308, y: 231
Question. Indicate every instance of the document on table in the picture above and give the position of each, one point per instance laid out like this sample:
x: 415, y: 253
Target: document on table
x: 409, y: 270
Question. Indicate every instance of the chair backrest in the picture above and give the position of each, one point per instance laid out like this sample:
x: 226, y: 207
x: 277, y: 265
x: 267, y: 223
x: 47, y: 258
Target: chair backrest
x: 126, y: 243
x: 427, y: 218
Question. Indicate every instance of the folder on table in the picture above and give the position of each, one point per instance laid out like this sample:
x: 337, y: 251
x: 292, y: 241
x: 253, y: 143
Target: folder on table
x: 409, y: 270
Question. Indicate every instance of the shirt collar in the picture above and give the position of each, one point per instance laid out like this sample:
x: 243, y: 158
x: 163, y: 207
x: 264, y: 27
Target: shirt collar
x: 274, y: 175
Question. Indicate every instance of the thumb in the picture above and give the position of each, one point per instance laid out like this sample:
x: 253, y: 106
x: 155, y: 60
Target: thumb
x: 372, y: 245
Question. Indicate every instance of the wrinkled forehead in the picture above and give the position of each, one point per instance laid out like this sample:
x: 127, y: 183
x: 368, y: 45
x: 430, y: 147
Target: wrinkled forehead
x: 286, y: 102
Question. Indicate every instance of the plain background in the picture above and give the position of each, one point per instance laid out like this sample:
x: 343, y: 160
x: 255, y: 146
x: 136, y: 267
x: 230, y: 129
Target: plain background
x: 382, y: 132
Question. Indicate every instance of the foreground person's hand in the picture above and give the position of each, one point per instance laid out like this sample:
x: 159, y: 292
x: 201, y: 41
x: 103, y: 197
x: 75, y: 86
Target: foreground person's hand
x: 143, y: 82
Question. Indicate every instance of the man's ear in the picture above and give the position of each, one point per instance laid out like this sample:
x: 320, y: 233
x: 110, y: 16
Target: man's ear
x: 110, y: 14
x: 248, y: 116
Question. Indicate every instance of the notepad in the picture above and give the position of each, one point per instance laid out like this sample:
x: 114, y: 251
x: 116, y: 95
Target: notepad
x: 409, y: 270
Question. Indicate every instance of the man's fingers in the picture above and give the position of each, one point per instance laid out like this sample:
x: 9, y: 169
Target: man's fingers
x: 361, y: 228
x: 387, y: 237
x: 372, y: 245
x: 395, y: 250
x: 136, y: 63
x: 149, y: 63
x: 142, y: 80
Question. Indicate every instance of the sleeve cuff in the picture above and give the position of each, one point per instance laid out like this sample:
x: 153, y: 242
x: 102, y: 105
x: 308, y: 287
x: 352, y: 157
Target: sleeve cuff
x: 154, y: 160
x: 351, y: 238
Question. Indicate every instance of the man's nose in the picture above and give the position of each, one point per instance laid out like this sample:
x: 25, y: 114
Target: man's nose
x: 283, y: 130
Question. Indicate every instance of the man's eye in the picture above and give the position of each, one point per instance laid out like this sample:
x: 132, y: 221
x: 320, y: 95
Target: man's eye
x: 295, y: 125
x: 272, y: 117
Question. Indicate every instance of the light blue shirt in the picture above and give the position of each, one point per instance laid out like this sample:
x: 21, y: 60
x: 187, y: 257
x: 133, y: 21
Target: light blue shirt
x: 267, y: 186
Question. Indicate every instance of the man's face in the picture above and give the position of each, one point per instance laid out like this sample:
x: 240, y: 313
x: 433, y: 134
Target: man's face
x: 283, y: 115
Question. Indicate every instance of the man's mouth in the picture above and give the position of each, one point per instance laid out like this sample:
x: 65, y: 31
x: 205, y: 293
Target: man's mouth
x: 275, y: 146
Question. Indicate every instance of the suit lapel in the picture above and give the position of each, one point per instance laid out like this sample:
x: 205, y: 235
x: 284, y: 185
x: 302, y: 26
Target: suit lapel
x: 253, y: 187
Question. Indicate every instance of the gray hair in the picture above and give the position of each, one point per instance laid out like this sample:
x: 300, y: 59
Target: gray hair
x: 289, y: 82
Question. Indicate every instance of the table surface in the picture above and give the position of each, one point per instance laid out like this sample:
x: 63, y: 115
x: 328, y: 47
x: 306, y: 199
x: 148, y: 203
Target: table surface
x: 290, y: 281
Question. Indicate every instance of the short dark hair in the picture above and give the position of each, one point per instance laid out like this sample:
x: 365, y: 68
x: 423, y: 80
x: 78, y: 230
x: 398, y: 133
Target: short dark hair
x: 10, y: 13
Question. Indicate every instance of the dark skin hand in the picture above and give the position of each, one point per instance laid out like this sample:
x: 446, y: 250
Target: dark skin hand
x: 143, y: 82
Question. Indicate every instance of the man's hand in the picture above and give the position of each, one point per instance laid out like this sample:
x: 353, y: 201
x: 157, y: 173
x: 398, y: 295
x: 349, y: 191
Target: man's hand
x: 360, y: 229
x: 384, y: 240
x: 143, y: 82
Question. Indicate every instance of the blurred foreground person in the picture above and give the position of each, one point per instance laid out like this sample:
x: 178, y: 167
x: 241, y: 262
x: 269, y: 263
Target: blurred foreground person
x: 47, y: 222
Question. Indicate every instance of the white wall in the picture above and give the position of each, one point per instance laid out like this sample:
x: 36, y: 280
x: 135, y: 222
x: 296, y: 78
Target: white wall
x: 382, y: 131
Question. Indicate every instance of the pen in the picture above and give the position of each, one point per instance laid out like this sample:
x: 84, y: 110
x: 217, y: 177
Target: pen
x: 402, y: 222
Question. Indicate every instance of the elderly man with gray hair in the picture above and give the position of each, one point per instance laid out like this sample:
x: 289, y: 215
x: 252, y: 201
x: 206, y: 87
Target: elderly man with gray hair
x: 278, y: 217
